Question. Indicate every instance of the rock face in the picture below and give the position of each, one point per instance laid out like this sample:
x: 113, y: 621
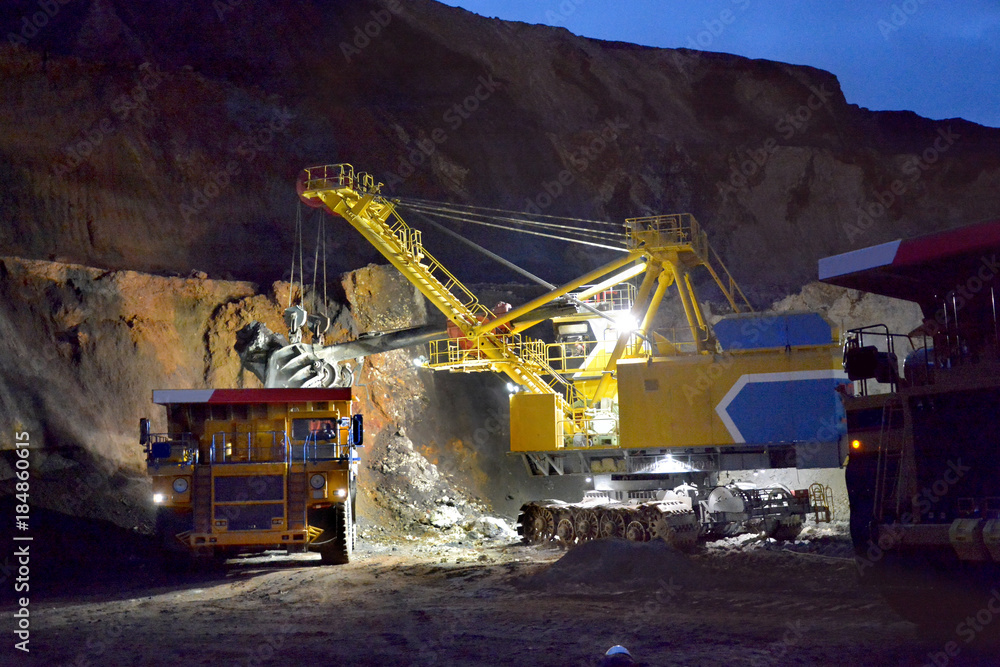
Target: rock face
x: 142, y: 136
x: 82, y: 350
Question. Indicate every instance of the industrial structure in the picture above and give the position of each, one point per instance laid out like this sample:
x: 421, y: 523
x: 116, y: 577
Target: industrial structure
x: 651, y: 416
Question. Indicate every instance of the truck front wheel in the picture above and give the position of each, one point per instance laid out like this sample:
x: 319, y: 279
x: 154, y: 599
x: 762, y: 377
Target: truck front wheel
x: 336, y: 544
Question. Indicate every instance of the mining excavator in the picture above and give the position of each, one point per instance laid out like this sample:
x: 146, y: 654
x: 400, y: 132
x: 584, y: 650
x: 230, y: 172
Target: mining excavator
x: 650, y: 416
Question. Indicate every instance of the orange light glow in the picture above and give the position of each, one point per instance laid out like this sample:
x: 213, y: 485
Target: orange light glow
x: 856, y: 444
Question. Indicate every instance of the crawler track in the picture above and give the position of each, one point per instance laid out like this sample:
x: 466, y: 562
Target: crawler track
x: 554, y: 521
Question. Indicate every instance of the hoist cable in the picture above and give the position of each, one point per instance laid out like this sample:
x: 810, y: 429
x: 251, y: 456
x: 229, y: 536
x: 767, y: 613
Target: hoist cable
x: 533, y: 233
x: 509, y: 212
x: 595, y: 233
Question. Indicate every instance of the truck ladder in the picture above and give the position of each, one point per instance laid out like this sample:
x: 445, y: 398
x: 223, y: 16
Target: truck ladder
x: 296, y: 494
x: 201, y: 491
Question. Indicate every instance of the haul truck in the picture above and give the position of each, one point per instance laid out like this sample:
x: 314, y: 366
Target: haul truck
x: 652, y: 417
x: 923, y: 478
x: 243, y: 470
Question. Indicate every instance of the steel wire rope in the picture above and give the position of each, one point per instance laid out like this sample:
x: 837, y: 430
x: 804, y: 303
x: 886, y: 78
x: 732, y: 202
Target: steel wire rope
x: 315, y: 270
x: 528, y: 231
x: 514, y: 267
x: 509, y: 212
x: 522, y: 221
x: 297, y: 246
x: 594, y: 233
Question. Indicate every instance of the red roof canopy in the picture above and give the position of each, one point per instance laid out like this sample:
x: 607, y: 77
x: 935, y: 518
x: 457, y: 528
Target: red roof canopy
x: 246, y: 396
x: 919, y: 269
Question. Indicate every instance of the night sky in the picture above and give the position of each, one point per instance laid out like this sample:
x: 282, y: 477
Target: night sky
x: 939, y: 59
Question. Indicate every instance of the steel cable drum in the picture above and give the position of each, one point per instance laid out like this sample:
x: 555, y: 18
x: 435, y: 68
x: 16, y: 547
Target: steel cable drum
x: 724, y: 499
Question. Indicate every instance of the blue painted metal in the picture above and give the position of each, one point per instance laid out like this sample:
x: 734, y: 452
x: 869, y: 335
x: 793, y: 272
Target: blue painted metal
x: 758, y: 331
x: 789, y: 411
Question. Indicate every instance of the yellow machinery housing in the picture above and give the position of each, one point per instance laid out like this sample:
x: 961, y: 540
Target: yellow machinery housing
x: 624, y: 394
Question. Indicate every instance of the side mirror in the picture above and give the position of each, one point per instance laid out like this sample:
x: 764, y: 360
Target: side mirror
x: 161, y: 450
x: 357, y: 435
x: 144, y: 431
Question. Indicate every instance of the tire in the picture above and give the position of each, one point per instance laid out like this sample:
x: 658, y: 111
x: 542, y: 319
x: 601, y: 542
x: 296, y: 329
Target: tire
x: 336, y: 544
x: 174, y: 556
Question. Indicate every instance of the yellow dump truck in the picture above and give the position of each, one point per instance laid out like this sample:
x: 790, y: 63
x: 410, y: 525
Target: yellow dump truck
x: 244, y: 470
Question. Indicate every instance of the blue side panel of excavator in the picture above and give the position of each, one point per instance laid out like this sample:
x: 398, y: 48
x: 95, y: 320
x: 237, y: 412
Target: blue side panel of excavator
x: 758, y: 331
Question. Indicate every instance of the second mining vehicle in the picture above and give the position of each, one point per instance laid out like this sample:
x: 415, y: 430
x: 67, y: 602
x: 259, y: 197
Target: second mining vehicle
x: 923, y: 419
x: 651, y: 416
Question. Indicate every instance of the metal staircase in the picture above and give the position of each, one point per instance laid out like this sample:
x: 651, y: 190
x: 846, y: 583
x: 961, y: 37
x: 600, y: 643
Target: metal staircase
x: 355, y: 198
x: 296, y: 491
x: 201, y: 492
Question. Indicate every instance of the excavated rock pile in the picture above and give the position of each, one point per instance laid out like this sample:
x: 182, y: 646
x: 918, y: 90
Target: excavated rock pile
x: 422, y: 500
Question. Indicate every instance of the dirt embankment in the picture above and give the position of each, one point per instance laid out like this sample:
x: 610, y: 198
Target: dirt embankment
x: 131, y: 146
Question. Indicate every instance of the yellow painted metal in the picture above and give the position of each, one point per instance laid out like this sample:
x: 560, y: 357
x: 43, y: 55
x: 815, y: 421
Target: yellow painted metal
x: 355, y: 198
x: 565, y: 387
x: 548, y: 297
x: 276, y: 538
x: 688, y: 302
x: 662, y: 283
x: 536, y: 423
x: 679, y: 239
x: 616, y: 279
x: 605, y: 386
x: 231, y: 437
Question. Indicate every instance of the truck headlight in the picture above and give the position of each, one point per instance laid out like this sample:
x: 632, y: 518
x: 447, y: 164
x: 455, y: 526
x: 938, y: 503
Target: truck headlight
x: 317, y: 481
x: 180, y: 484
x: 157, y: 498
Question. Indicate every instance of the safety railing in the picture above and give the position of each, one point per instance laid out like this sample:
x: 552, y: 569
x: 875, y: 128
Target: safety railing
x: 163, y: 448
x: 467, y: 353
x: 617, y: 298
x: 593, y: 356
x: 659, y: 232
x: 675, y: 340
x: 250, y: 447
x: 333, y: 176
x: 590, y: 427
x: 680, y: 232
x: 864, y: 360
x: 314, y: 449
